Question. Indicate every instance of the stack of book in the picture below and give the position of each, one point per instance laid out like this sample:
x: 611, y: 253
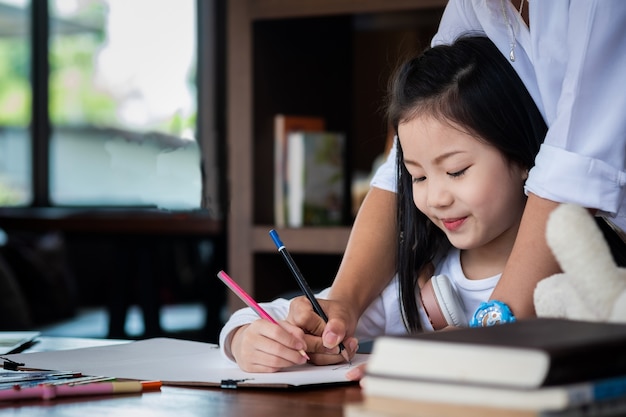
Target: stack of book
x: 309, y: 175
x: 539, y: 367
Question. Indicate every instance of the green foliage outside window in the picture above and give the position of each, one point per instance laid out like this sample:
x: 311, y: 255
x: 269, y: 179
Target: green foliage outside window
x: 15, y: 96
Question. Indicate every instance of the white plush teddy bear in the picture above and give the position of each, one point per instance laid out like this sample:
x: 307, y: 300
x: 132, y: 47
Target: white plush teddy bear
x: 591, y: 286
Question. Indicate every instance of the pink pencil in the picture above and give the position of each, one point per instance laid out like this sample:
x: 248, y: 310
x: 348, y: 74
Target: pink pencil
x: 49, y: 391
x: 245, y: 297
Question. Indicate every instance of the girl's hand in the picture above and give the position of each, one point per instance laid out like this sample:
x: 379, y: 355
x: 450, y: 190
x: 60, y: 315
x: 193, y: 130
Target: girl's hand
x: 262, y: 346
x: 322, y: 339
x: 356, y: 373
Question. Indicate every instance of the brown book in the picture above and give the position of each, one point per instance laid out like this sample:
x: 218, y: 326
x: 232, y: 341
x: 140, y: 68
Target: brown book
x: 526, y: 354
x: 283, y: 125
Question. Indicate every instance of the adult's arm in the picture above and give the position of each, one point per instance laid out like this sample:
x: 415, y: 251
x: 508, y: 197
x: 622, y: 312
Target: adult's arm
x: 582, y: 160
x: 530, y: 261
x: 367, y: 267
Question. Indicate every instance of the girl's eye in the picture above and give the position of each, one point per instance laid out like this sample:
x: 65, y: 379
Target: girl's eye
x: 457, y: 173
x: 418, y: 179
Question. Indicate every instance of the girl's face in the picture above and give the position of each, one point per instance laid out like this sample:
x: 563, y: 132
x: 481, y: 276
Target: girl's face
x: 465, y: 186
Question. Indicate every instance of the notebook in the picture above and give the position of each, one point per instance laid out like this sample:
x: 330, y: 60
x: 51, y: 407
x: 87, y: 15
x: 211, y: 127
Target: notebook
x: 12, y: 342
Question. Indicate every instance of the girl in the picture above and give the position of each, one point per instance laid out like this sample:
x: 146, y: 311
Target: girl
x: 468, y: 133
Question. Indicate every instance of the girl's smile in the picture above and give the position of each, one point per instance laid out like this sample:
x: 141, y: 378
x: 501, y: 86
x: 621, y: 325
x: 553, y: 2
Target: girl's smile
x: 453, y: 224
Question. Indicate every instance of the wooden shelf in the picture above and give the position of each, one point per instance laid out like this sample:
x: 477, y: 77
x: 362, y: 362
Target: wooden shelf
x: 321, y: 240
x: 277, y: 9
x: 325, y: 57
x: 110, y: 221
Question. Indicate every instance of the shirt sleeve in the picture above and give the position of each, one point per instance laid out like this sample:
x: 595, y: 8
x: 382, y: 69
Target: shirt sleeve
x: 584, y: 153
x: 385, y: 175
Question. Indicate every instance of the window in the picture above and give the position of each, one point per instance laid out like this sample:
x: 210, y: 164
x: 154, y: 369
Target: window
x: 15, y: 103
x: 121, y: 100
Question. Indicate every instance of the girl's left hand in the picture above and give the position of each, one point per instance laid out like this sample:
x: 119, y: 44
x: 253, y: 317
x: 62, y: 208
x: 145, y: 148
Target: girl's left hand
x: 356, y: 373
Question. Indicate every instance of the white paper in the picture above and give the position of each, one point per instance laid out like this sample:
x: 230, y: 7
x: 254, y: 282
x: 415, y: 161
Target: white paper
x: 178, y: 362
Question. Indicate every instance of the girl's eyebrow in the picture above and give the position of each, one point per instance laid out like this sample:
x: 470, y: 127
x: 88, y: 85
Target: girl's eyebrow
x: 438, y: 160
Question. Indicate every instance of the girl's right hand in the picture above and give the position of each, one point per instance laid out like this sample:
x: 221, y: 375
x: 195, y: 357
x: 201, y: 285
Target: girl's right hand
x: 262, y: 346
x: 340, y: 327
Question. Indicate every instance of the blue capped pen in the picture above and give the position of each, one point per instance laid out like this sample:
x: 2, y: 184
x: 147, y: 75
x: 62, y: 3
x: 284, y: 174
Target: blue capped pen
x: 304, y: 286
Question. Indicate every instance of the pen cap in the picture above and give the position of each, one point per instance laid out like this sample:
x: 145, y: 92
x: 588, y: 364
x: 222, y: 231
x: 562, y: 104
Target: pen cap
x: 151, y: 385
x: 276, y: 239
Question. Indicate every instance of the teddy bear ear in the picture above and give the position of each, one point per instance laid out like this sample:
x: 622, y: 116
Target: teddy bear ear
x: 584, y: 256
x: 573, y: 237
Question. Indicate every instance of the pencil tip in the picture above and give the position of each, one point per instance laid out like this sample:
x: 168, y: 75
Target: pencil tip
x: 346, y: 356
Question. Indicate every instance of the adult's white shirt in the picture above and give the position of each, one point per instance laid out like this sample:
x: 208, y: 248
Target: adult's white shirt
x: 572, y: 61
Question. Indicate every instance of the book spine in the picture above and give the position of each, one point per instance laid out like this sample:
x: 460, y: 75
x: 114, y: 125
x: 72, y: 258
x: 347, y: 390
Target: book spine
x: 295, y: 174
x: 603, y: 390
x: 279, y: 170
x: 283, y: 125
x: 615, y: 407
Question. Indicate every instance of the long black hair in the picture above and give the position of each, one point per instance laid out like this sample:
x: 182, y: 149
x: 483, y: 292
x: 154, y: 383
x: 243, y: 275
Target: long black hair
x: 471, y: 84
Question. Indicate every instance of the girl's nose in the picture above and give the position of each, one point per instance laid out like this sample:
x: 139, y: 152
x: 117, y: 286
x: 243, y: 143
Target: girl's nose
x: 438, y: 195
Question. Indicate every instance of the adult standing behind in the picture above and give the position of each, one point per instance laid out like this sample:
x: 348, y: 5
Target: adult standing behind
x: 571, y: 55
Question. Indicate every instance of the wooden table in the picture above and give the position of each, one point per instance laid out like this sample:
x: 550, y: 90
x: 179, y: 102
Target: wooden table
x: 187, y: 401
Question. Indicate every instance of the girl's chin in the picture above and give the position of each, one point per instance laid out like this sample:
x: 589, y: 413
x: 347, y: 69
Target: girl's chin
x: 462, y: 244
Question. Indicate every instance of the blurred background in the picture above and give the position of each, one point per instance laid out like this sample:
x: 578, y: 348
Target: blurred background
x: 110, y: 122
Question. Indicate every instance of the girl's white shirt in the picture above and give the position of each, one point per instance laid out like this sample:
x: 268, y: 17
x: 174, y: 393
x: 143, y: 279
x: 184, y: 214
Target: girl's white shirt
x: 383, y: 316
x: 572, y: 62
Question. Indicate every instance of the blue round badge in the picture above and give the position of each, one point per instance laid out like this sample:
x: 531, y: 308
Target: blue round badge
x: 490, y: 313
